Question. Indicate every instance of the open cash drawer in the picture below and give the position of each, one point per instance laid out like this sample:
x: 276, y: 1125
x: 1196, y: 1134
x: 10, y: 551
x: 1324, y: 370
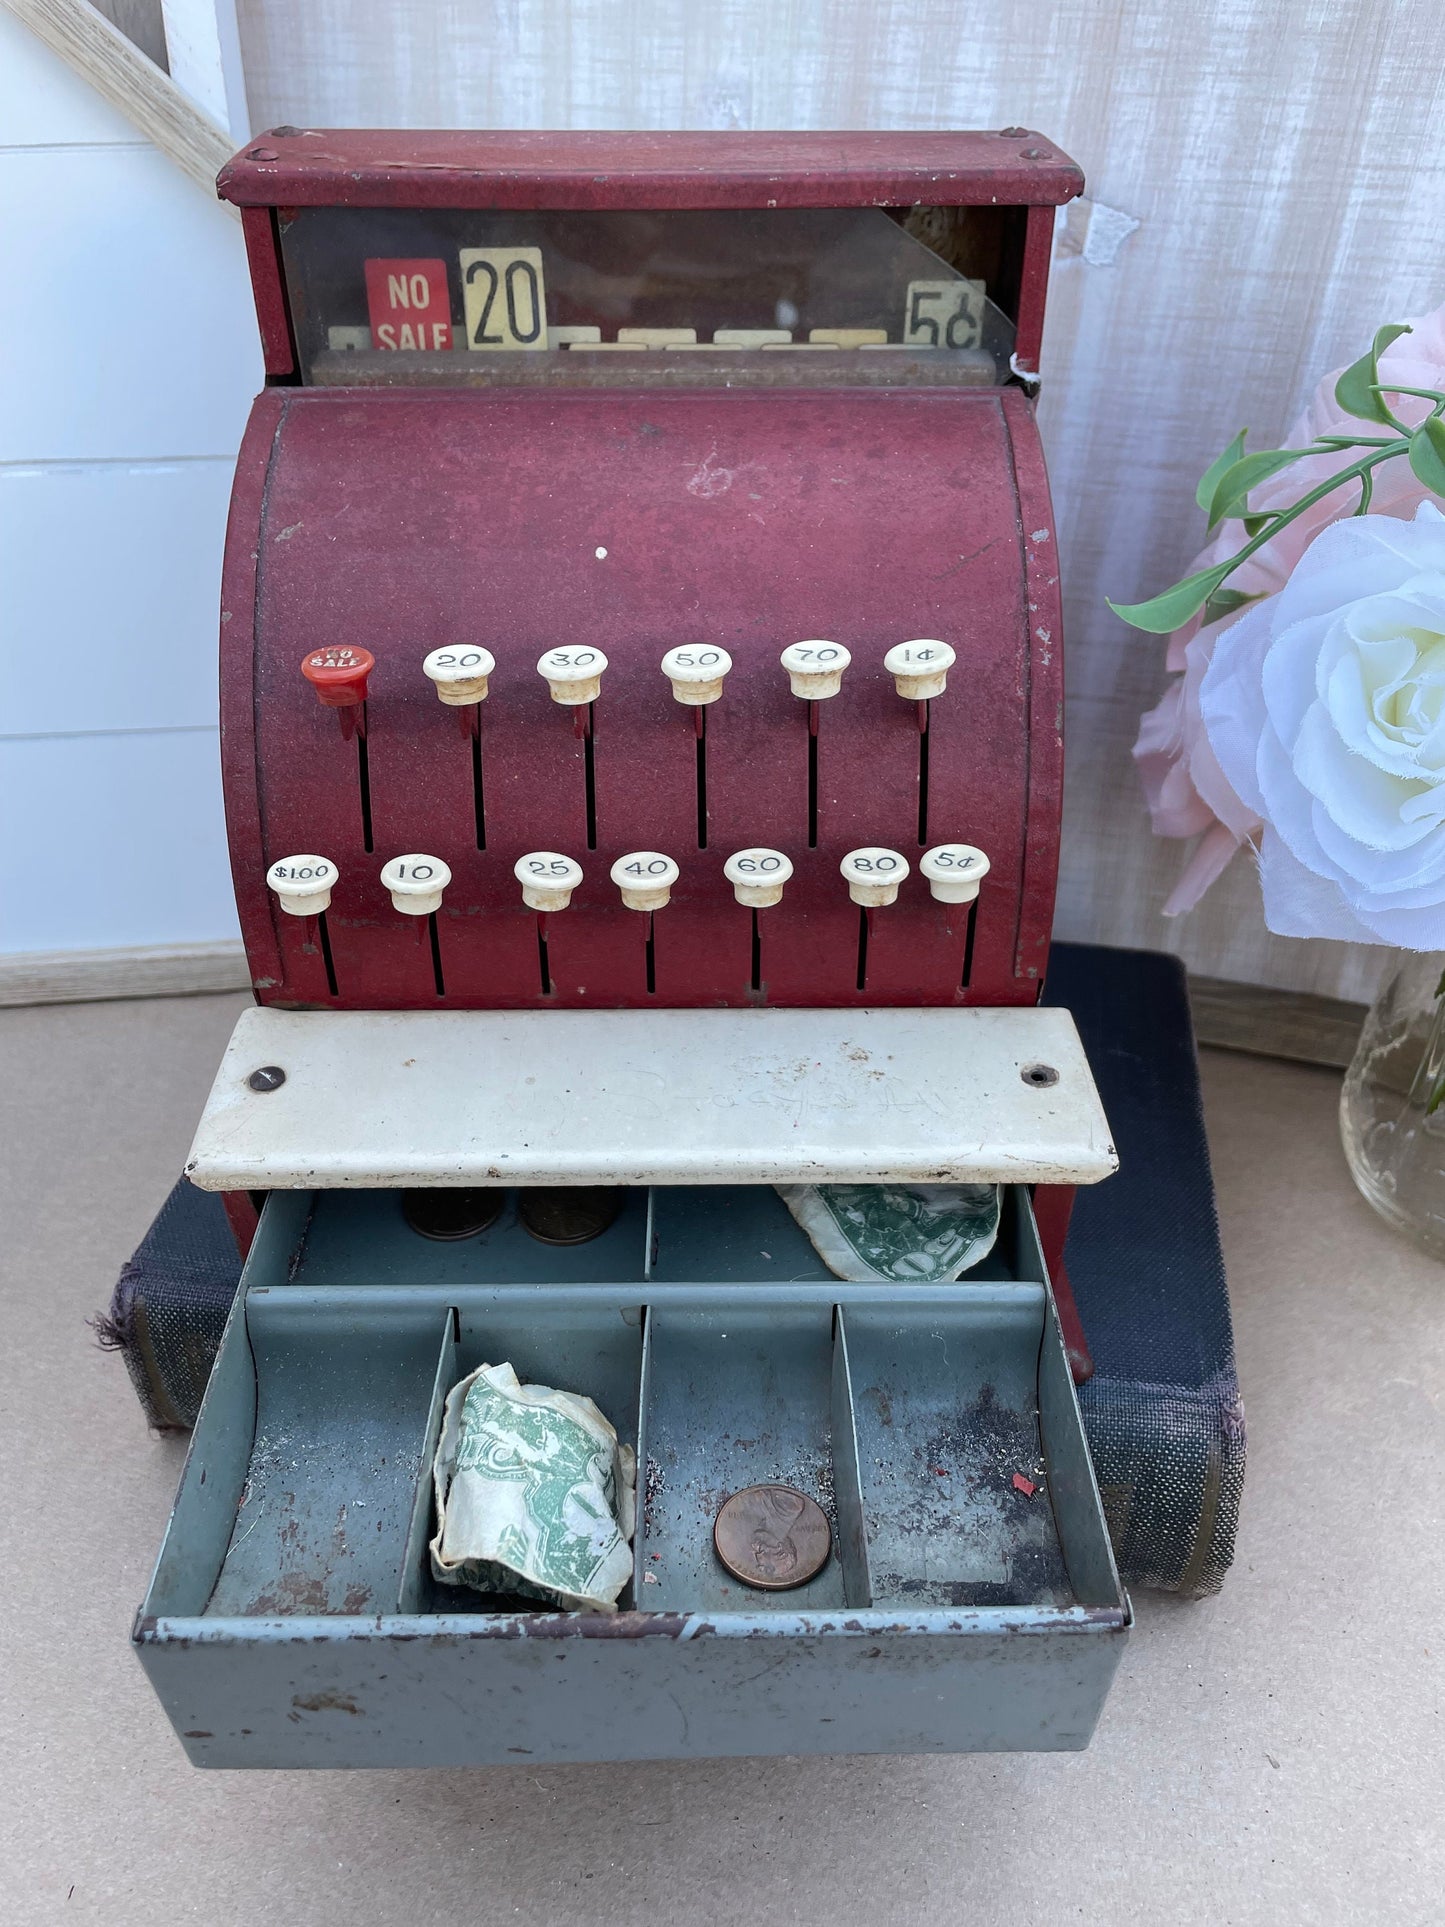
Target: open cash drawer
x: 293, y: 1621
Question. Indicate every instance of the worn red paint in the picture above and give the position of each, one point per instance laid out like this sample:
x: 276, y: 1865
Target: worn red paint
x: 395, y: 519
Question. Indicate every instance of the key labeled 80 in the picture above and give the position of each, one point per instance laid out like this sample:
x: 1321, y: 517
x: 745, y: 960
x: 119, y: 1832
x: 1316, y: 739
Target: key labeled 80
x: 873, y: 875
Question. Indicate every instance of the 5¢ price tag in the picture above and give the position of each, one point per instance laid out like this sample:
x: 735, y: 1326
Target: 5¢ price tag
x: 944, y: 314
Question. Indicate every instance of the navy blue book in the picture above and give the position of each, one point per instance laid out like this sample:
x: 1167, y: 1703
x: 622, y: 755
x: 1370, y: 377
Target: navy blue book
x: 1162, y: 1409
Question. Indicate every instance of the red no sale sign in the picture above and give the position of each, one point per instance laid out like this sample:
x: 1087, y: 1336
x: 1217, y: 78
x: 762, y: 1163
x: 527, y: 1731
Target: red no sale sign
x: 409, y: 304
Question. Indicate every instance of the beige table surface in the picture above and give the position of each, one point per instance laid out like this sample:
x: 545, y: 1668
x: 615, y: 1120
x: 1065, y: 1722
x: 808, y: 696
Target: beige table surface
x: 1274, y: 1755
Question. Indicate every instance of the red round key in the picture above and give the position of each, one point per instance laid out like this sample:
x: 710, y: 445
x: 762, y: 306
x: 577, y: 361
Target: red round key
x: 339, y: 675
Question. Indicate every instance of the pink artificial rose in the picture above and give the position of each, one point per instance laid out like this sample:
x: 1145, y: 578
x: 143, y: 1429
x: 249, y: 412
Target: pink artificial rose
x: 1184, y: 786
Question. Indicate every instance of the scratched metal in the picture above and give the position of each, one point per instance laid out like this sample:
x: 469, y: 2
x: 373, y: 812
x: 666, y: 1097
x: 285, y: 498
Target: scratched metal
x: 955, y: 1614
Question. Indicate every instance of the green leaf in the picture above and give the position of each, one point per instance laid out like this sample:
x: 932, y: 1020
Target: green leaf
x: 1225, y: 602
x: 1427, y: 454
x: 1164, y: 613
x: 1253, y: 524
x: 1235, y: 483
x: 1355, y: 389
x: 1210, y: 478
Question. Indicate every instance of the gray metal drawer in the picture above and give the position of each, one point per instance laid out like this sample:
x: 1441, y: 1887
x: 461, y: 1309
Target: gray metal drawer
x: 292, y: 1619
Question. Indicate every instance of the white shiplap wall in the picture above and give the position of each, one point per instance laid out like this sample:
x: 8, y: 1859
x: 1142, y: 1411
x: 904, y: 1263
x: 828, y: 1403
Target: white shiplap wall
x: 129, y: 357
x: 1285, y: 162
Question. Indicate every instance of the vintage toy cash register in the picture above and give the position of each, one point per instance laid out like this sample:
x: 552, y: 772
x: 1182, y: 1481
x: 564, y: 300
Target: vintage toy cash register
x: 641, y: 718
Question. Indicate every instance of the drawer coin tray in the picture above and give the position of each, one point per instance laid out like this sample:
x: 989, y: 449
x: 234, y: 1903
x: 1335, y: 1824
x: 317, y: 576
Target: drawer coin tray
x: 293, y: 1620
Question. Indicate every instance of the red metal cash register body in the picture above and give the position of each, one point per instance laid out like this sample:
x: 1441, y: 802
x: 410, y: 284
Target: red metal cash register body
x: 642, y: 706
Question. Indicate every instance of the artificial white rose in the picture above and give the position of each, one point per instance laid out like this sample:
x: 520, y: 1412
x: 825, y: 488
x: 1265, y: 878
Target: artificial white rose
x: 1325, y: 708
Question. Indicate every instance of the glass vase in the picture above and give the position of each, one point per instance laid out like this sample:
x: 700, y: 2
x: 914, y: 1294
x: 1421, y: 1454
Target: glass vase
x: 1392, y: 1106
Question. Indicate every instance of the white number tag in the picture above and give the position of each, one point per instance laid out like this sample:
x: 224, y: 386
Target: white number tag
x: 504, y: 298
x: 944, y: 314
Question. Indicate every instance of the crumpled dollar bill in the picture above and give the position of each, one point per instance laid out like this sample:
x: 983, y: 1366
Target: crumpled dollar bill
x: 534, y: 1494
x: 917, y: 1234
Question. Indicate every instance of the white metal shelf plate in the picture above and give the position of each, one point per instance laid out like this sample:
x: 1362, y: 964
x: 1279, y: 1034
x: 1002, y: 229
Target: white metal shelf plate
x: 394, y: 1098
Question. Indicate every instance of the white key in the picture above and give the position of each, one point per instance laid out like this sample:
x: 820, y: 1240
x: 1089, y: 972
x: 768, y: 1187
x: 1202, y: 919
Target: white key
x: 815, y: 669
x: 850, y: 337
x: 416, y: 883
x: 919, y: 669
x: 460, y: 673
x: 954, y: 871
x: 302, y: 884
x: 547, y: 879
x: 569, y: 337
x: 758, y: 876
x: 873, y: 875
x: 657, y: 337
x: 645, y: 878
x: 751, y: 337
x: 574, y: 675
x: 696, y: 672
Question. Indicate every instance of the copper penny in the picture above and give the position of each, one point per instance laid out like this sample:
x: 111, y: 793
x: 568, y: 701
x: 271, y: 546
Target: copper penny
x: 772, y: 1537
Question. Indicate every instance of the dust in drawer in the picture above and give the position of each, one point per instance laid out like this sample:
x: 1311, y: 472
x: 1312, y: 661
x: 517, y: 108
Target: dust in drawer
x: 341, y: 1434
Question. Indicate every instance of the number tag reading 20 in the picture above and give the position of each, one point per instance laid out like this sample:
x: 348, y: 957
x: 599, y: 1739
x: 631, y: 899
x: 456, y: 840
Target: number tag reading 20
x: 506, y: 304
x: 944, y: 314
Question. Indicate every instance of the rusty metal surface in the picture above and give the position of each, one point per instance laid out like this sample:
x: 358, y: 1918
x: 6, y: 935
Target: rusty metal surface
x: 841, y: 368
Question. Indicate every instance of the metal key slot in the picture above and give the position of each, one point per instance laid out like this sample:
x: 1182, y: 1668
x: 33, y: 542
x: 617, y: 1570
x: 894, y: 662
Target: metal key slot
x: 923, y: 718
x: 363, y: 775
x: 589, y: 772
x: 438, y: 980
x: 479, y: 795
x: 323, y: 937
x: 700, y: 724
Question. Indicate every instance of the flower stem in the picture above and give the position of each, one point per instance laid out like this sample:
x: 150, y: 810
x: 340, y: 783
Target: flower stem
x: 1284, y: 517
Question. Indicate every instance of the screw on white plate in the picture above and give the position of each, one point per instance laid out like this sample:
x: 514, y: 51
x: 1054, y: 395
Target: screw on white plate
x: 815, y: 669
x: 954, y: 871
x: 645, y: 878
x: 547, y: 879
x: 696, y: 672
x: 574, y: 676
x: 416, y: 883
x: 758, y: 876
x: 873, y: 875
x: 460, y: 673
x: 302, y: 884
x: 919, y: 669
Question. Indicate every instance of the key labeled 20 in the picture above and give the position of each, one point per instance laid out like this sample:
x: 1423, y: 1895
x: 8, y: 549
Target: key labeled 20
x: 504, y: 298
x: 944, y: 314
